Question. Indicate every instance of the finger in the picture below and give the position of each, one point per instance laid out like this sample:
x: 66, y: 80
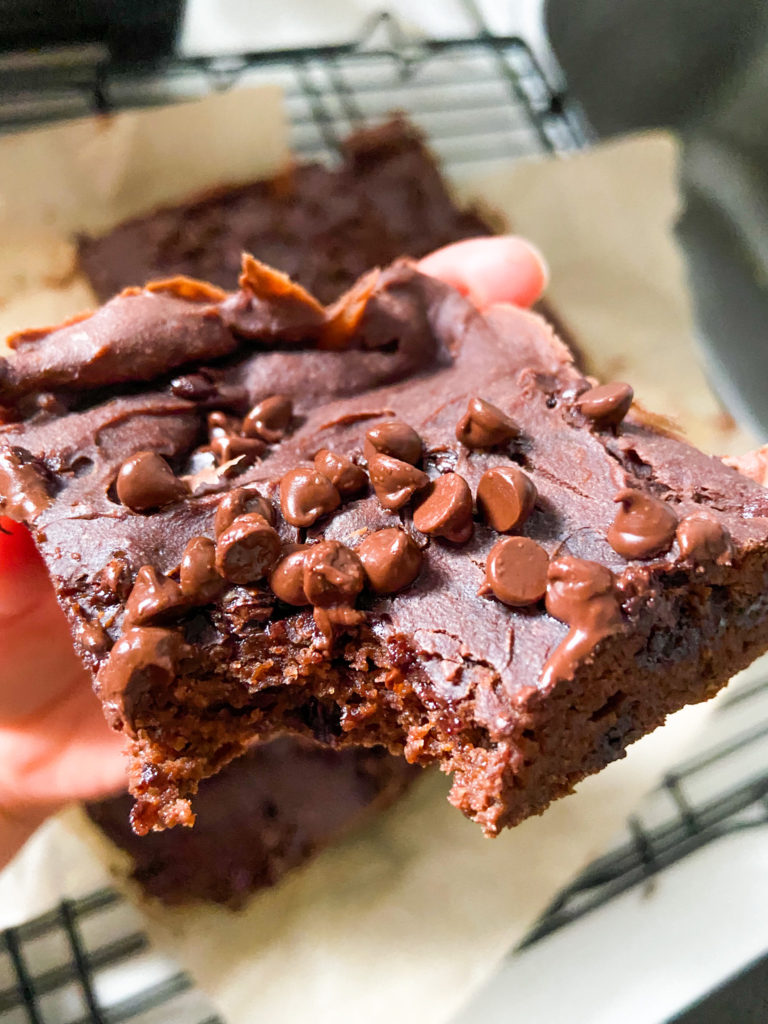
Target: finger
x: 491, y: 270
x: 37, y: 661
x: 65, y: 751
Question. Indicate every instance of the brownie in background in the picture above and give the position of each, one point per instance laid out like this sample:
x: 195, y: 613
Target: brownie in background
x: 323, y: 227
x: 266, y: 813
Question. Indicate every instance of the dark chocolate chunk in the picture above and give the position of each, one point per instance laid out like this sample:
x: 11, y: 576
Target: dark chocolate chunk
x: 247, y: 549
x: 391, y: 560
x: 395, y: 482
x: 306, y: 495
x: 484, y: 425
x: 506, y: 497
x: 644, y: 526
x: 146, y: 481
x: 446, y: 509
x: 516, y: 571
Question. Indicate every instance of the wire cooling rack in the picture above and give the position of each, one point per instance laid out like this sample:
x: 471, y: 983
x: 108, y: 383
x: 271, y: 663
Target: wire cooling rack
x: 481, y: 101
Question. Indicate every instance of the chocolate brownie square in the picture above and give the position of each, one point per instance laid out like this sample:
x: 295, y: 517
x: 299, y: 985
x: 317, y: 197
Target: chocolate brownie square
x: 389, y: 520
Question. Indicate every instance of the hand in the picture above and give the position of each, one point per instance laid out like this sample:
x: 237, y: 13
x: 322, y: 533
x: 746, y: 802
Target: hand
x: 54, y: 743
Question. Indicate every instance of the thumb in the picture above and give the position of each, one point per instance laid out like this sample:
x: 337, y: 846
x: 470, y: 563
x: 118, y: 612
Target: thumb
x: 490, y: 270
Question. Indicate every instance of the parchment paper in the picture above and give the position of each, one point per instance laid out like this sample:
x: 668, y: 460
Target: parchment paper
x: 402, y: 919
x: 605, y: 220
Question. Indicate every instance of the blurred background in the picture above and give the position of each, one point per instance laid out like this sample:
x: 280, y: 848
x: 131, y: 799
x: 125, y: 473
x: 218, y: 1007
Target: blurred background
x: 629, y: 139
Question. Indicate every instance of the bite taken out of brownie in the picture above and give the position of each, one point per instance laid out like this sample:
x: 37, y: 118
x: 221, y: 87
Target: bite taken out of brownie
x: 392, y: 520
x: 261, y: 816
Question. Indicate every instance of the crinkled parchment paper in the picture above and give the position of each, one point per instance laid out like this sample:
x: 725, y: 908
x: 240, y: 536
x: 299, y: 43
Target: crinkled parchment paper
x: 404, y: 917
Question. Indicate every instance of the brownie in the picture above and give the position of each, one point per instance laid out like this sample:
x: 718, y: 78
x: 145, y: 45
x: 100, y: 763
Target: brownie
x: 264, y: 814
x: 324, y: 227
x: 392, y: 520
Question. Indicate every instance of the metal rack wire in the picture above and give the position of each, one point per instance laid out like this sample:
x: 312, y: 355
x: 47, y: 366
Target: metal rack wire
x: 481, y: 101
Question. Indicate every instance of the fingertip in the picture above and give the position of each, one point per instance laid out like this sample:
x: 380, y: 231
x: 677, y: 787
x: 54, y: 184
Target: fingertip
x: 506, y: 268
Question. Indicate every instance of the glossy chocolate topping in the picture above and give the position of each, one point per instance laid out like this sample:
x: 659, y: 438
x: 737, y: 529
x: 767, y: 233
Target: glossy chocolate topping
x: 236, y: 503
x: 23, y: 485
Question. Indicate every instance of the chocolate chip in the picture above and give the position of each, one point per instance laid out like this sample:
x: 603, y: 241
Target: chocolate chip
x: 146, y: 481
x: 237, y: 503
x: 644, y: 526
x: 93, y: 637
x: 391, y: 560
x: 306, y: 495
x: 193, y: 386
x: 485, y: 426
x: 247, y: 550
x: 395, y: 482
x: 336, y: 618
x: 220, y: 424
x: 23, y: 486
x: 155, y: 599
x: 114, y: 581
x: 516, y: 571
x: 200, y: 582
x: 703, y: 538
x: 584, y: 596
x: 446, y: 510
x: 333, y: 574
x: 269, y: 419
x: 607, y: 404
x: 506, y: 497
x: 287, y: 578
x: 393, y: 438
x: 231, y: 446
x: 144, y: 659
x: 348, y: 478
